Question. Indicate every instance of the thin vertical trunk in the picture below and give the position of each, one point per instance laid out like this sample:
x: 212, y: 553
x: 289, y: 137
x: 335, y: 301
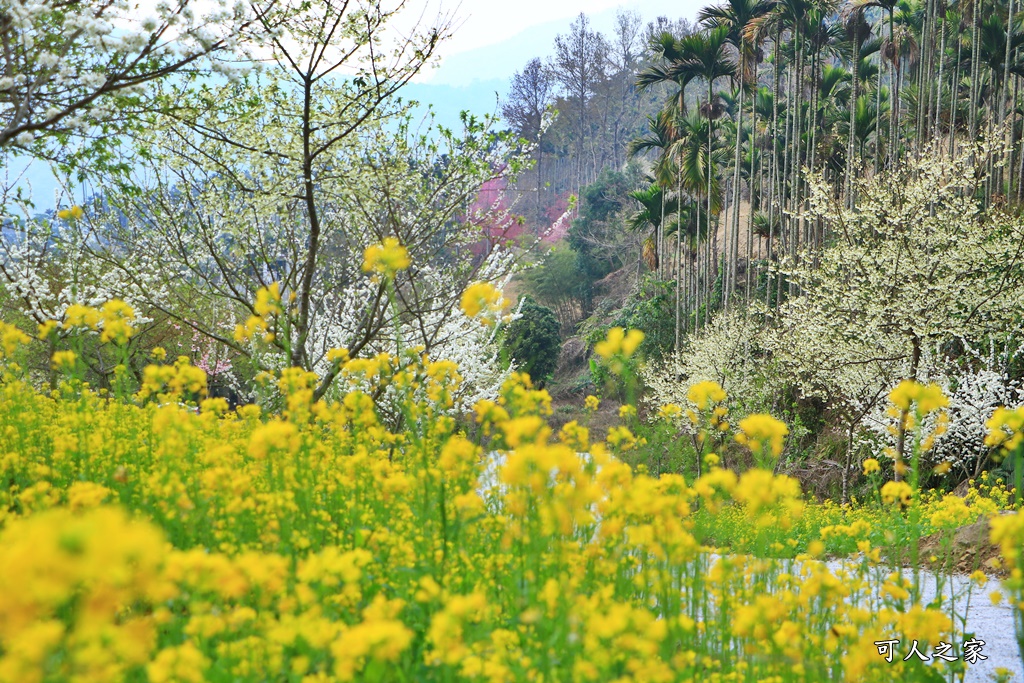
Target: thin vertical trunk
x: 755, y: 165
x: 726, y: 223
x: 1011, y: 128
x: 878, y: 115
x: 787, y: 154
x: 954, y: 95
x: 938, y: 97
x: 679, y: 229
x: 735, y: 226
x: 1006, y: 82
x: 768, y: 267
x: 773, y: 194
x: 975, y: 75
x: 710, y: 172
x: 1006, y: 63
x: 810, y: 233
x: 679, y: 278
x: 923, y: 87
x: 784, y: 177
x: 659, y: 238
x: 698, y: 274
x: 774, y: 199
x: 1020, y: 168
x: 848, y: 185
x: 794, y: 188
x: 694, y: 261
x: 894, y: 95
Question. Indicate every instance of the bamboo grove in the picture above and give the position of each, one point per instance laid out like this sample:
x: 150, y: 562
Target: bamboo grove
x: 765, y: 92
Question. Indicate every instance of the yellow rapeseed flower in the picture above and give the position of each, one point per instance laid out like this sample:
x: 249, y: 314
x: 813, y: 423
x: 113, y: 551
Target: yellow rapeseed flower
x: 871, y: 465
x: 480, y: 297
x: 63, y: 360
x: 386, y: 258
x: 1005, y: 429
x: 268, y: 300
x: 759, y: 430
x: 180, y: 664
x: 46, y: 329
x: 254, y: 327
x: 117, y: 317
x: 897, y: 492
x: 78, y: 315
x: 75, y: 212
x: 10, y: 339
x: 619, y: 343
x: 705, y: 394
x: 337, y: 356
x: 1007, y: 531
x: 928, y: 398
x: 670, y: 411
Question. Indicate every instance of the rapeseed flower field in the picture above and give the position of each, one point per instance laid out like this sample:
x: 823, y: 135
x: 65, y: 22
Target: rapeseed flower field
x: 158, y: 536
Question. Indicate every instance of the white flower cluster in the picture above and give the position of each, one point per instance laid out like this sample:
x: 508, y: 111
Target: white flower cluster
x: 732, y: 352
x: 918, y: 266
x: 95, y: 48
x: 976, y: 385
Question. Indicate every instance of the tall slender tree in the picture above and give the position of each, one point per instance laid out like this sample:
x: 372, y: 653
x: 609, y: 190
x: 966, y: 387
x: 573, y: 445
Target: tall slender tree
x: 735, y: 16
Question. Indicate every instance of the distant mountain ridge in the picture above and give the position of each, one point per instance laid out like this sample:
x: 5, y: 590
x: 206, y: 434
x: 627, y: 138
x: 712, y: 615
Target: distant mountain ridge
x: 501, y: 60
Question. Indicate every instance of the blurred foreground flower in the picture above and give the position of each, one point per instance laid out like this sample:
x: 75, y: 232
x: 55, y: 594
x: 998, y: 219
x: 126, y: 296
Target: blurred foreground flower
x: 1005, y: 429
x: 386, y: 258
x: 619, y: 343
x: 481, y: 297
x: 760, y: 430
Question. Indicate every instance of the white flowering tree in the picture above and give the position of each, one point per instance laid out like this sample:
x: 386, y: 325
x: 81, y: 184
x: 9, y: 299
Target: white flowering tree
x: 74, y: 75
x: 977, y: 382
x: 917, y: 265
x: 731, y: 352
x: 287, y: 175
x: 84, y: 67
x: 918, y: 262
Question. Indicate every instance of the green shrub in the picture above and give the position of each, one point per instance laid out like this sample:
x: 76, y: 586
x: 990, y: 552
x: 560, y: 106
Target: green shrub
x: 533, y: 341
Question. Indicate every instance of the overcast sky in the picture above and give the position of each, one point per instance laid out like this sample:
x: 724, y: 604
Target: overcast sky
x: 492, y: 40
x: 489, y: 21
x: 484, y: 23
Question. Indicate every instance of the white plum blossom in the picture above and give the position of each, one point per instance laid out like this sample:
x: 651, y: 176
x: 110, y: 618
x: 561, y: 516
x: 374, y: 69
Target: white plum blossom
x: 918, y: 265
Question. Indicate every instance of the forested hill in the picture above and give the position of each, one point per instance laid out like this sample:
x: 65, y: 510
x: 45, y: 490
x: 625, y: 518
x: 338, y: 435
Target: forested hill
x: 803, y: 201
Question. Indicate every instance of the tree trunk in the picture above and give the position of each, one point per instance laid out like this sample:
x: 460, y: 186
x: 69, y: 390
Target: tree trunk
x: 794, y: 188
x: 755, y: 180
x: 849, y: 458
x: 712, y: 238
x: 736, y: 184
x: 975, y: 75
x: 894, y: 96
x: 938, y: 97
x: 901, y: 438
x: 954, y: 95
x: 853, y: 120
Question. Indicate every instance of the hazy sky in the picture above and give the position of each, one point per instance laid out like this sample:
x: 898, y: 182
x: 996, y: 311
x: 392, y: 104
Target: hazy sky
x: 492, y: 40
x: 481, y: 23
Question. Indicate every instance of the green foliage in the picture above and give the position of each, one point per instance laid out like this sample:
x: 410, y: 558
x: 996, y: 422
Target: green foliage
x: 661, y: 449
x: 615, y: 385
x: 652, y: 310
x: 533, y: 341
x: 559, y: 284
x: 593, y: 233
